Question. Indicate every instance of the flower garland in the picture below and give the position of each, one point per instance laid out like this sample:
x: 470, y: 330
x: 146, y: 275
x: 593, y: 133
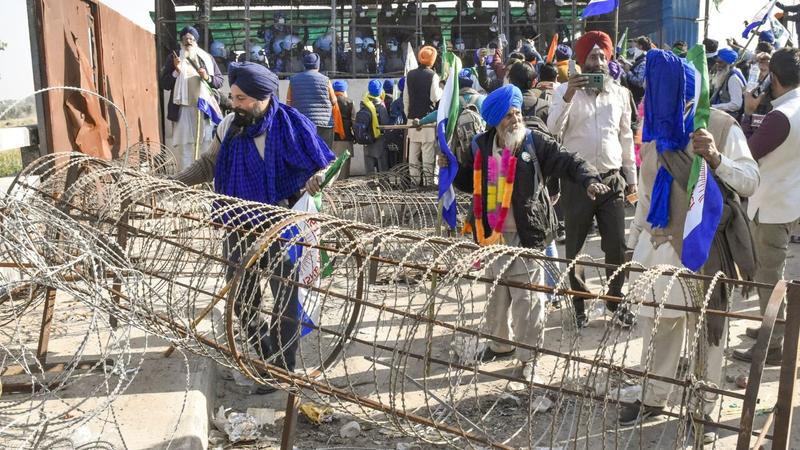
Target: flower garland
x: 500, y: 186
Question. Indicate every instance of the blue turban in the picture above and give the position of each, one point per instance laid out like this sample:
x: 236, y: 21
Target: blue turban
x: 253, y: 79
x: 311, y: 61
x: 670, y: 87
x: 465, y: 78
x: 401, y: 85
x: 340, y: 86
x: 563, y: 52
x: 767, y: 36
x: 388, y: 86
x: 375, y: 88
x: 499, y: 102
x: 728, y: 56
x: 189, y: 30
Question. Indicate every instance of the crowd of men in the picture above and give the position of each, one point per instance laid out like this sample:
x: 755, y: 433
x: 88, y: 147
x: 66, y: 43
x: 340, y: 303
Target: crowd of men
x: 594, y: 131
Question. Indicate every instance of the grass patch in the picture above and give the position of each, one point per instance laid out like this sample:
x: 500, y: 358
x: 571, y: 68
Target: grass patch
x: 10, y: 162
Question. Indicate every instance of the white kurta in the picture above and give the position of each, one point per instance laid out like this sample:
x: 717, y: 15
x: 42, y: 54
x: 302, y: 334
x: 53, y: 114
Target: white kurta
x: 738, y: 169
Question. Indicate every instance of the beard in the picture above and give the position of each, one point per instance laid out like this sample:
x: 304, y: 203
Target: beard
x: 514, y: 136
x: 245, y: 118
x: 719, y: 77
x: 190, y: 51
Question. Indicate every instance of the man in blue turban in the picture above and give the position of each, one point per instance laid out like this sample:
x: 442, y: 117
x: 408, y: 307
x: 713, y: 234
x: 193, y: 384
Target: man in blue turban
x: 190, y: 75
x: 656, y: 235
x: 530, y: 220
x: 727, y: 84
x: 269, y: 153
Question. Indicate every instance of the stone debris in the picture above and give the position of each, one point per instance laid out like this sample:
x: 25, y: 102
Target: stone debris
x: 350, y: 430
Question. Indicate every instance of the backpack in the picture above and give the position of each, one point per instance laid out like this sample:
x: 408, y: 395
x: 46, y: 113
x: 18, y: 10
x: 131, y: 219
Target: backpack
x: 362, y: 127
x: 395, y: 139
x: 468, y: 125
x: 542, y: 212
x: 542, y: 107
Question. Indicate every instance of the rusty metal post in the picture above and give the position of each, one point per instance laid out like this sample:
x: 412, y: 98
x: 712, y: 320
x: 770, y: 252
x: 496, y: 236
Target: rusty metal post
x: 290, y: 422
x: 788, y: 373
x: 47, y: 323
x: 757, y: 366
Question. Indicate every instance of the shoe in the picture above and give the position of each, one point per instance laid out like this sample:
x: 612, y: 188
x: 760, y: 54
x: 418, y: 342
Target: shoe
x: 794, y: 239
x: 561, y: 236
x: 487, y: 354
x: 629, y: 415
x: 709, y: 431
x: 623, y: 318
x: 581, y: 321
x: 774, y: 356
x: 752, y: 333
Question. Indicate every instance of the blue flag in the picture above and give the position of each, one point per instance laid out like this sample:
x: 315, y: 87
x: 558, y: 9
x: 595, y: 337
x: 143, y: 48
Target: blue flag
x: 598, y: 7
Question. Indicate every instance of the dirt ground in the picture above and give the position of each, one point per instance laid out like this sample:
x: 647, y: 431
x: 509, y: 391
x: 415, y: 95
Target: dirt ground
x: 594, y: 422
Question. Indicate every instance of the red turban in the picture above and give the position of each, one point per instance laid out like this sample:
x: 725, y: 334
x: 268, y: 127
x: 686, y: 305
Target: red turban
x: 587, y: 42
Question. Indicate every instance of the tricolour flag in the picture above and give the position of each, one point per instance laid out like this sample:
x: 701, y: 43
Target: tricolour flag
x: 311, y: 263
x: 761, y: 17
x: 446, y: 118
x: 210, y: 108
x: 598, y: 7
x: 705, y: 196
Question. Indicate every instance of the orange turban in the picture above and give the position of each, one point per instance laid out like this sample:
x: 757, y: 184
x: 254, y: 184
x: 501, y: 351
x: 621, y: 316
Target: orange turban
x: 427, y: 55
x: 587, y: 42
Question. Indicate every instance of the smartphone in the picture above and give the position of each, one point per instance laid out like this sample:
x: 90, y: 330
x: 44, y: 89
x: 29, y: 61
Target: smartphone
x: 763, y: 86
x: 572, y: 69
x: 596, y: 80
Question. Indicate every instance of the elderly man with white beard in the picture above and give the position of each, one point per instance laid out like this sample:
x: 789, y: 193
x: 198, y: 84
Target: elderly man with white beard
x: 188, y: 76
x: 507, y: 170
x: 727, y: 84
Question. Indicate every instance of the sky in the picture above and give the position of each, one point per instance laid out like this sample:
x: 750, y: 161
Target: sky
x: 16, y: 71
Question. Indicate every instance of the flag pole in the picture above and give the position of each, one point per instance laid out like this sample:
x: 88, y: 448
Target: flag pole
x: 616, y: 26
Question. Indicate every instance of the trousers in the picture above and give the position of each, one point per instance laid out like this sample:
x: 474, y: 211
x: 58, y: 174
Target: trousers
x: 668, y: 341
x: 274, y: 339
x: 426, y: 151
x: 772, y: 248
x: 609, y: 209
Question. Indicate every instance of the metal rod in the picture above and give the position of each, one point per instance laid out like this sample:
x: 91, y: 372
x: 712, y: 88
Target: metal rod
x: 788, y: 374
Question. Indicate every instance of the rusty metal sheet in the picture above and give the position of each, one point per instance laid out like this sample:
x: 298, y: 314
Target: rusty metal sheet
x: 82, y: 43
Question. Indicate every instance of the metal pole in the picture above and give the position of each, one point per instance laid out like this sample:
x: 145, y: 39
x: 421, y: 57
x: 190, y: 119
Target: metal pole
x: 247, y: 30
x: 353, y: 38
x: 574, y: 21
x: 206, y: 16
x: 705, y: 26
x: 788, y: 373
x: 333, y: 38
x: 541, y: 37
x: 616, y: 27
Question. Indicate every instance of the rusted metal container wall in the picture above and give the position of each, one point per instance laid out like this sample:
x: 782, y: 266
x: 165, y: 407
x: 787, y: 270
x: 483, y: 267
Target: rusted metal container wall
x: 81, y: 43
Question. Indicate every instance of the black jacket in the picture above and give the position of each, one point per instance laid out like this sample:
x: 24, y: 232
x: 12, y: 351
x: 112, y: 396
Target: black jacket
x: 554, y: 161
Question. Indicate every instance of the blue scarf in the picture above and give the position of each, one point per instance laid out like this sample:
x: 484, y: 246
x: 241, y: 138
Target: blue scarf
x: 292, y: 154
x: 670, y: 86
